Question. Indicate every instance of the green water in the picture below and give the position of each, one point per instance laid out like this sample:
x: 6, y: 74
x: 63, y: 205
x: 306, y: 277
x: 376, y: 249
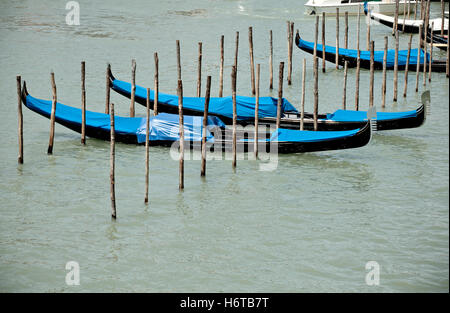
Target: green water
x: 309, y: 226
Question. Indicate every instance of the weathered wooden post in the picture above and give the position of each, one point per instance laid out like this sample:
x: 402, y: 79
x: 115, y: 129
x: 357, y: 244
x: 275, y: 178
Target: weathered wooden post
x: 358, y: 60
x: 252, y: 62
x: 383, y: 86
x: 112, y: 163
x: 236, y: 52
x: 431, y: 56
x: 418, y: 58
x: 302, y: 113
x: 290, y: 36
x: 446, y: 64
x: 133, y: 86
x: 280, y: 93
x: 407, y: 66
x: 396, y: 67
x: 181, y: 125
x: 205, y: 125
x: 316, y: 75
x: 83, y: 104
x: 255, y: 149
x: 337, y: 38
x: 425, y: 46
x: 395, y: 28
x: 368, y: 35
x: 20, y: 118
x: 291, y: 53
x: 199, y: 70
x: 372, y: 68
x: 108, y: 90
x: 147, y: 138
x: 404, y: 16
x: 344, y: 97
x: 271, y: 61
x: 346, y: 31
x: 221, y: 66
x: 323, y: 42
x: 442, y: 17
x: 156, y: 92
x: 52, y: 115
x: 233, y: 95
x: 178, y: 60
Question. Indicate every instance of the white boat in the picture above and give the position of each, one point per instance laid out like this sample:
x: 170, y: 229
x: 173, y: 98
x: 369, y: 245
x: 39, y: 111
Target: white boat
x: 411, y: 26
x: 352, y: 6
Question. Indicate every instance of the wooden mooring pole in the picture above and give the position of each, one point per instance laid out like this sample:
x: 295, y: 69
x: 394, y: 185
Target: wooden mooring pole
x: 83, y: 103
x: 431, y: 56
x: 302, y: 113
x: 147, y: 137
x: 316, y: 75
x: 236, y: 52
x: 178, y: 60
x: 290, y: 36
x: 52, y: 115
x: 395, y: 28
x: 205, y: 125
x: 372, y: 70
x: 252, y: 62
x: 344, y: 96
x: 108, y: 88
x: 156, y: 91
x: 418, y: 58
x: 337, y: 38
x: 133, y: 86
x: 442, y: 17
x: 396, y: 67
x: 323, y: 43
x: 407, y: 66
x: 199, y: 70
x: 181, y: 131
x: 255, y: 149
x: 346, y: 31
x: 112, y: 163
x: 358, y: 61
x: 20, y: 118
x: 221, y: 66
x: 280, y: 93
x: 383, y: 86
x: 233, y: 95
x: 271, y: 61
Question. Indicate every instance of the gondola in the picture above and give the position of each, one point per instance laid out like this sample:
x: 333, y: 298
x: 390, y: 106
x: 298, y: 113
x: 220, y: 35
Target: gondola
x: 350, y: 55
x: 411, y: 26
x: 164, y: 131
x: 339, y: 120
x: 438, y: 41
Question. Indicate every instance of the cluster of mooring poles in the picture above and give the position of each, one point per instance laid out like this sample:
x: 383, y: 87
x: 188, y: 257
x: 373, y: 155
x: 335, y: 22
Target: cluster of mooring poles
x: 255, y: 87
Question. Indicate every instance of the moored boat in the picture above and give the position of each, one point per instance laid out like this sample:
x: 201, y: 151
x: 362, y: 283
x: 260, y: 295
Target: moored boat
x: 411, y: 26
x: 350, y: 55
x: 352, y: 6
x: 164, y: 131
x: 339, y: 120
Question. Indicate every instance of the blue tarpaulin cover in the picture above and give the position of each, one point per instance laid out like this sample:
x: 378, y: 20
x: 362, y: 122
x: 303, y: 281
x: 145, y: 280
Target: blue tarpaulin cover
x: 365, y: 55
x: 162, y: 127
x: 245, y: 106
x: 351, y: 116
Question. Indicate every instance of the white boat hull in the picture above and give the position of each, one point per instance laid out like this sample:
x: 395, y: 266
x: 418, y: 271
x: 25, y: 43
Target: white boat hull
x: 315, y: 7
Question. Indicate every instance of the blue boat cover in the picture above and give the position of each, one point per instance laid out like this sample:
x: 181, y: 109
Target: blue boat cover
x: 245, y: 106
x: 291, y: 135
x: 164, y: 126
x: 365, y: 55
x: 352, y: 116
